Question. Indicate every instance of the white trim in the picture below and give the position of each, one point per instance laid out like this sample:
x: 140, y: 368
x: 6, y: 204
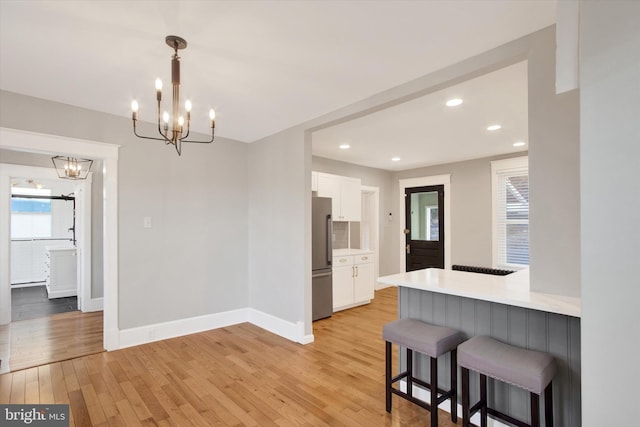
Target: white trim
x: 181, y: 327
x: 93, y: 304
x: 424, y: 395
x: 176, y: 328
x: 13, y: 139
x: 375, y: 225
x: 444, y: 180
x: 288, y: 330
x: 515, y: 164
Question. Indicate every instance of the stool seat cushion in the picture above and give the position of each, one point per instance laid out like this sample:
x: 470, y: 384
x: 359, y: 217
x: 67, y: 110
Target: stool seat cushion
x: 528, y: 369
x: 420, y: 336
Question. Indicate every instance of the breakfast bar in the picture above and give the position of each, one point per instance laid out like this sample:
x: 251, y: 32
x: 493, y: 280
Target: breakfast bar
x: 504, y: 308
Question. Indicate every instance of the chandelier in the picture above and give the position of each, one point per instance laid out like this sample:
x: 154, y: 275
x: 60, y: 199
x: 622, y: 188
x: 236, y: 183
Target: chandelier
x: 71, y: 167
x: 178, y: 132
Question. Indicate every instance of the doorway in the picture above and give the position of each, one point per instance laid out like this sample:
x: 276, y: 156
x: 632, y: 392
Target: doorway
x: 12, y: 139
x: 405, y: 220
x: 424, y: 235
x: 43, y: 251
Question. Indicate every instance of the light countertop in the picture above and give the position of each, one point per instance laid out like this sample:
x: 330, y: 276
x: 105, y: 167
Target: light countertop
x: 512, y: 289
x: 344, y: 252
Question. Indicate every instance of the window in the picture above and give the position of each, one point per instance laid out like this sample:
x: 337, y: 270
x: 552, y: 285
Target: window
x: 510, y: 192
x: 30, y: 218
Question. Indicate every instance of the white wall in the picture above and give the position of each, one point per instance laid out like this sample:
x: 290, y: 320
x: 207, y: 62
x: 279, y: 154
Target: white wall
x: 610, y: 207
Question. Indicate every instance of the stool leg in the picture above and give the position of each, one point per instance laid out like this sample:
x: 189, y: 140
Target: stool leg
x: 410, y: 372
x: 483, y: 399
x: 387, y: 374
x: 454, y: 385
x: 434, y: 391
x: 535, y: 410
x: 465, y: 397
x: 548, y: 406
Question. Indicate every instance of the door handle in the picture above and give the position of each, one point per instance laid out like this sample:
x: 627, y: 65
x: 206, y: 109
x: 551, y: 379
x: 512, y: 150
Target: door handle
x: 408, y: 249
x: 329, y: 239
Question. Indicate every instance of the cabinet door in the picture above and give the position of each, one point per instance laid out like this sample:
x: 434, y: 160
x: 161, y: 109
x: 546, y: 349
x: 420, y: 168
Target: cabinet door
x: 342, y: 286
x: 363, y: 284
x: 329, y: 186
x: 350, y: 199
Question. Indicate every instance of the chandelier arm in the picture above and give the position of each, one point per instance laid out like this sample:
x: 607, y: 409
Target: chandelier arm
x: 135, y: 132
x: 199, y: 142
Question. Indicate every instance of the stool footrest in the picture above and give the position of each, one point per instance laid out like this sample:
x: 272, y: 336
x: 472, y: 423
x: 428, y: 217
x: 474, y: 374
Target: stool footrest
x: 502, y: 416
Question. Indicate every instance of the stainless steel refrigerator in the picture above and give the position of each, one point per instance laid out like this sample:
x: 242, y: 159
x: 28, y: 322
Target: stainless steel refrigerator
x: 321, y: 255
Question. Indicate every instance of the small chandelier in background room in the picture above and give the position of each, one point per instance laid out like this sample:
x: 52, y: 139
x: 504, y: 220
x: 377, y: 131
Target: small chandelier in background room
x: 179, y: 124
x: 71, y: 167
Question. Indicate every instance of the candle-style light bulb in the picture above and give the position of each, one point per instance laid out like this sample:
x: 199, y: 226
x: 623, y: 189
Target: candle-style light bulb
x: 187, y: 105
x: 180, y: 121
x: 165, y: 118
x: 212, y: 116
x: 158, y: 89
x: 134, y: 109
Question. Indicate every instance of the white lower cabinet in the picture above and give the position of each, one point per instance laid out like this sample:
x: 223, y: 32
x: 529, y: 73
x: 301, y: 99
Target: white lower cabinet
x: 60, y: 268
x: 353, y: 280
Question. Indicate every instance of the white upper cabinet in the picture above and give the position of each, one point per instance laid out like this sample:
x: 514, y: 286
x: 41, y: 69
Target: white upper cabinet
x: 345, y: 193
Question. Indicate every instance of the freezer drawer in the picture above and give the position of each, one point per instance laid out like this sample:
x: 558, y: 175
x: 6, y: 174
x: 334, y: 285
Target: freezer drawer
x: 321, y: 294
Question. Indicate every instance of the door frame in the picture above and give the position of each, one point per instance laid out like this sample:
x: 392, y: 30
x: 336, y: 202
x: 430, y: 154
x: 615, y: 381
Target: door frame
x: 373, y: 194
x: 19, y: 140
x: 425, y: 181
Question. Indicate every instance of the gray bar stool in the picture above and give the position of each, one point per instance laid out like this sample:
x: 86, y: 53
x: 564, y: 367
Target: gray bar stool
x: 527, y: 369
x: 433, y: 341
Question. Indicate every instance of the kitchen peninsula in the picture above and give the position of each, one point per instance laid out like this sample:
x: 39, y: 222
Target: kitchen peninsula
x: 501, y: 307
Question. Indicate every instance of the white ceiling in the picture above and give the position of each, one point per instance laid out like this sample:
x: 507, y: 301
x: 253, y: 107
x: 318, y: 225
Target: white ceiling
x: 263, y: 65
x: 425, y: 132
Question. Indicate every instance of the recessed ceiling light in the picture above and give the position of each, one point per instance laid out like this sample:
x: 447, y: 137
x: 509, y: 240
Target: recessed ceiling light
x: 344, y: 146
x: 454, y: 102
x: 493, y: 127
x: 395, y: 159
x: 519, y: 144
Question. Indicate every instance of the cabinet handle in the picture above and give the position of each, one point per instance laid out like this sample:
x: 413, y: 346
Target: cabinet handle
x: 356, y: 271
x: 364, y: 258
x: 353, y: 272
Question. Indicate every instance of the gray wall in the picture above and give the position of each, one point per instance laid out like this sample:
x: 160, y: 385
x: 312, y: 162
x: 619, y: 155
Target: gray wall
x: 193, y: 260
x: 41, y: 160
x: 610, y: 206
x: 554, y: 179
x: 279, y: 226
x: 470, y: 208
x: 375, y: 178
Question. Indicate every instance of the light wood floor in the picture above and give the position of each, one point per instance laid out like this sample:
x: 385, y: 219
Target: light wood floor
x: 33, y: 342
x: 239, y: 375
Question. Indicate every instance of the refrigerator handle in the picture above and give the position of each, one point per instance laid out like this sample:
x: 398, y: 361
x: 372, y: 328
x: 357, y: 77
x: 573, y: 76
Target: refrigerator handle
x: 329, y: 239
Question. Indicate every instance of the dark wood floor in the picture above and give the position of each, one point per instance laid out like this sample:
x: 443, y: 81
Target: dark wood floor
x: 32, y: 302
x: 233, y: 376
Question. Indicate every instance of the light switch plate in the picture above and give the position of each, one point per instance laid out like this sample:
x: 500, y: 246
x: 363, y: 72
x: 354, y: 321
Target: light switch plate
x: 147, y: 222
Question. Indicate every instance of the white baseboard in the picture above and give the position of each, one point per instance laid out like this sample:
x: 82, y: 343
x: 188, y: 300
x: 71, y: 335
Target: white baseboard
x: 94, y: 304
x: 161, y: 331
x: 423, y: 394
x: 288, y: 330
x: 177, y: 328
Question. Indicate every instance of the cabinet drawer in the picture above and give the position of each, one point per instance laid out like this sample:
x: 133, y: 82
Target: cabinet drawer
x: 340, y: 261
x: 363, y: 259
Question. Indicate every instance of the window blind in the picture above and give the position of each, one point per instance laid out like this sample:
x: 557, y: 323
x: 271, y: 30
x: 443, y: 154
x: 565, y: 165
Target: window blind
x: 510, y: 197
x: 511, y: 192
